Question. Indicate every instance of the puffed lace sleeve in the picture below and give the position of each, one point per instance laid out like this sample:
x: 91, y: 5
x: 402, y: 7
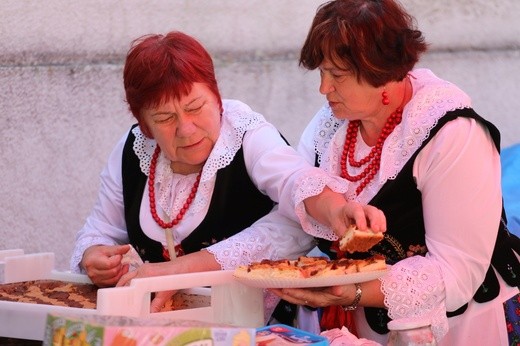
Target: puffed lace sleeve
x: 106, y: 223
x: 414, y: 288
x: 313, y: 181
x: 456, y: 264
x: 273, y: 166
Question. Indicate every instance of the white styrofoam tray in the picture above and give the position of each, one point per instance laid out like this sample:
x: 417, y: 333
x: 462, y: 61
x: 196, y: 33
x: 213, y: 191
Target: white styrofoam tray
x: 231, y: 302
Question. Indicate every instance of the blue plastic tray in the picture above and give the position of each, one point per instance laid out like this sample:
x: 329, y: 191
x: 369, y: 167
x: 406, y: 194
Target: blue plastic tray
x: 281, y: 334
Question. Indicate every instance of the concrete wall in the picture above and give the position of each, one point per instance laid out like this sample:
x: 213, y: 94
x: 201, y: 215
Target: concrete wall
x: 63, y: 105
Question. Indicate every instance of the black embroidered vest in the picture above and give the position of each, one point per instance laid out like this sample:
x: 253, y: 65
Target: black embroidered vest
x: 401, y: 202
x: 236, y: 203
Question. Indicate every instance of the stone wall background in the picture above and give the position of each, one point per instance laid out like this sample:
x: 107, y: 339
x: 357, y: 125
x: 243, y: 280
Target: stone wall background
x: 63, y: 105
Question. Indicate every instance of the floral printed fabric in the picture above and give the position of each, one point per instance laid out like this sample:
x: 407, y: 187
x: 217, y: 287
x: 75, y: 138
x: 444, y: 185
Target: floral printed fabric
x: 512, y: 310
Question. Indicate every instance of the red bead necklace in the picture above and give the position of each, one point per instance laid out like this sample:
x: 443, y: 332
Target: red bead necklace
x: 151, y: 189
x: 373, y: 159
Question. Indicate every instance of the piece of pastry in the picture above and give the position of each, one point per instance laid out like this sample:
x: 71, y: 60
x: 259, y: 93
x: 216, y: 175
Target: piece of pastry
x: 355, y: 240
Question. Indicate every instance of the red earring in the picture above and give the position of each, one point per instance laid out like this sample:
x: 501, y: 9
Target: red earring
x: 385, y: 99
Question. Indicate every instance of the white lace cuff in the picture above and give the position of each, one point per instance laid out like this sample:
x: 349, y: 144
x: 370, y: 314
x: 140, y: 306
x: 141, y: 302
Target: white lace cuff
x: 245, y: 249
x: 312, y: 184
x: 414, y: 288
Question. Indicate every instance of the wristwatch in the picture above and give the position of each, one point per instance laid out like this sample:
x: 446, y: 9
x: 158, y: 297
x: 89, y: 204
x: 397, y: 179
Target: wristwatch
x: 355, y: 302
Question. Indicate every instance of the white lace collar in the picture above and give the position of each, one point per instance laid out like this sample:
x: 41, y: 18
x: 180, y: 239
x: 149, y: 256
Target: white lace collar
x: 172, y: 188
x: 431, y: 99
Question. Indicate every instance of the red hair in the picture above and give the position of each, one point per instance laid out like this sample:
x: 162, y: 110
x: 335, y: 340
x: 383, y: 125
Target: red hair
x: 375, y: 39
x: 159, y: 68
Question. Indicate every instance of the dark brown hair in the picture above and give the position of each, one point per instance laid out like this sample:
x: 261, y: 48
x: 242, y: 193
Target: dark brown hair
x: 375, y: 39
x: 161, y: 67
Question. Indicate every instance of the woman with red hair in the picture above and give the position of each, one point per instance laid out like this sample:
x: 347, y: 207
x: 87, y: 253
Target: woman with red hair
x: 199, y: 183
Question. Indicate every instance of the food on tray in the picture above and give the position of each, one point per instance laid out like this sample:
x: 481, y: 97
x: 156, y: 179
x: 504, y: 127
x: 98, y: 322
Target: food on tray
x: 310, y: 267
x: 51, y: 292
x: 356, y: 240
x: 81, y: 295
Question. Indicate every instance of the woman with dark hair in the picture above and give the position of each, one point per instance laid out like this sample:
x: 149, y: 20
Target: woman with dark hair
x: 410, y: 144
x: 203, y: 182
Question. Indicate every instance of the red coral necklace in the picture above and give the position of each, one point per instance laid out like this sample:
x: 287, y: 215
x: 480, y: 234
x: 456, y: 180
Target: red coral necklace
x: 151, y: 189
x: 373, y: 159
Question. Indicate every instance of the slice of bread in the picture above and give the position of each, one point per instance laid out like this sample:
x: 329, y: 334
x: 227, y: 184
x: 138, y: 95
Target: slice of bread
x: 355, y: 240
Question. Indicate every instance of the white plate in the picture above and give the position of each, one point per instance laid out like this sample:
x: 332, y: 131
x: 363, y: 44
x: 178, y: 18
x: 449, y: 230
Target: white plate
x: 308, y: 282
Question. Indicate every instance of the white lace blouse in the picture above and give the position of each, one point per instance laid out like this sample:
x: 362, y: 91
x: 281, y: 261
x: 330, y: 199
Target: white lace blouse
x: 272, y: 165
x: 458, y: 174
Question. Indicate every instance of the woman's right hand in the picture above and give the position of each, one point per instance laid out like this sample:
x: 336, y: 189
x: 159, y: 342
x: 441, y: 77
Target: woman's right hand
x: 333, y: 210
x: 103, y: 264
x: 362, y: 215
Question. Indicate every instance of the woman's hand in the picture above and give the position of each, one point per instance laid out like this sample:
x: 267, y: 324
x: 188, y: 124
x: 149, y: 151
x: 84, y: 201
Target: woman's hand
x: 103, y: 264
x: 334, y: 295
x: 160, y: 299
x: 195, y: 262
x: 151, y: 269
x: 317, y: 297
x: 361, y: 215
x: 154, y: 269
x: 331, y: 209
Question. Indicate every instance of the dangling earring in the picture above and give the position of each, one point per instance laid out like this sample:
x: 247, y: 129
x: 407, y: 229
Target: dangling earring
x: 385, y: 99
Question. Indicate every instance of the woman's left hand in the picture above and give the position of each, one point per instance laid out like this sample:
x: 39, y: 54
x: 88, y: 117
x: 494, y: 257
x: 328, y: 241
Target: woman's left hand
x: 147, y: 270
x: 195, y: 262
